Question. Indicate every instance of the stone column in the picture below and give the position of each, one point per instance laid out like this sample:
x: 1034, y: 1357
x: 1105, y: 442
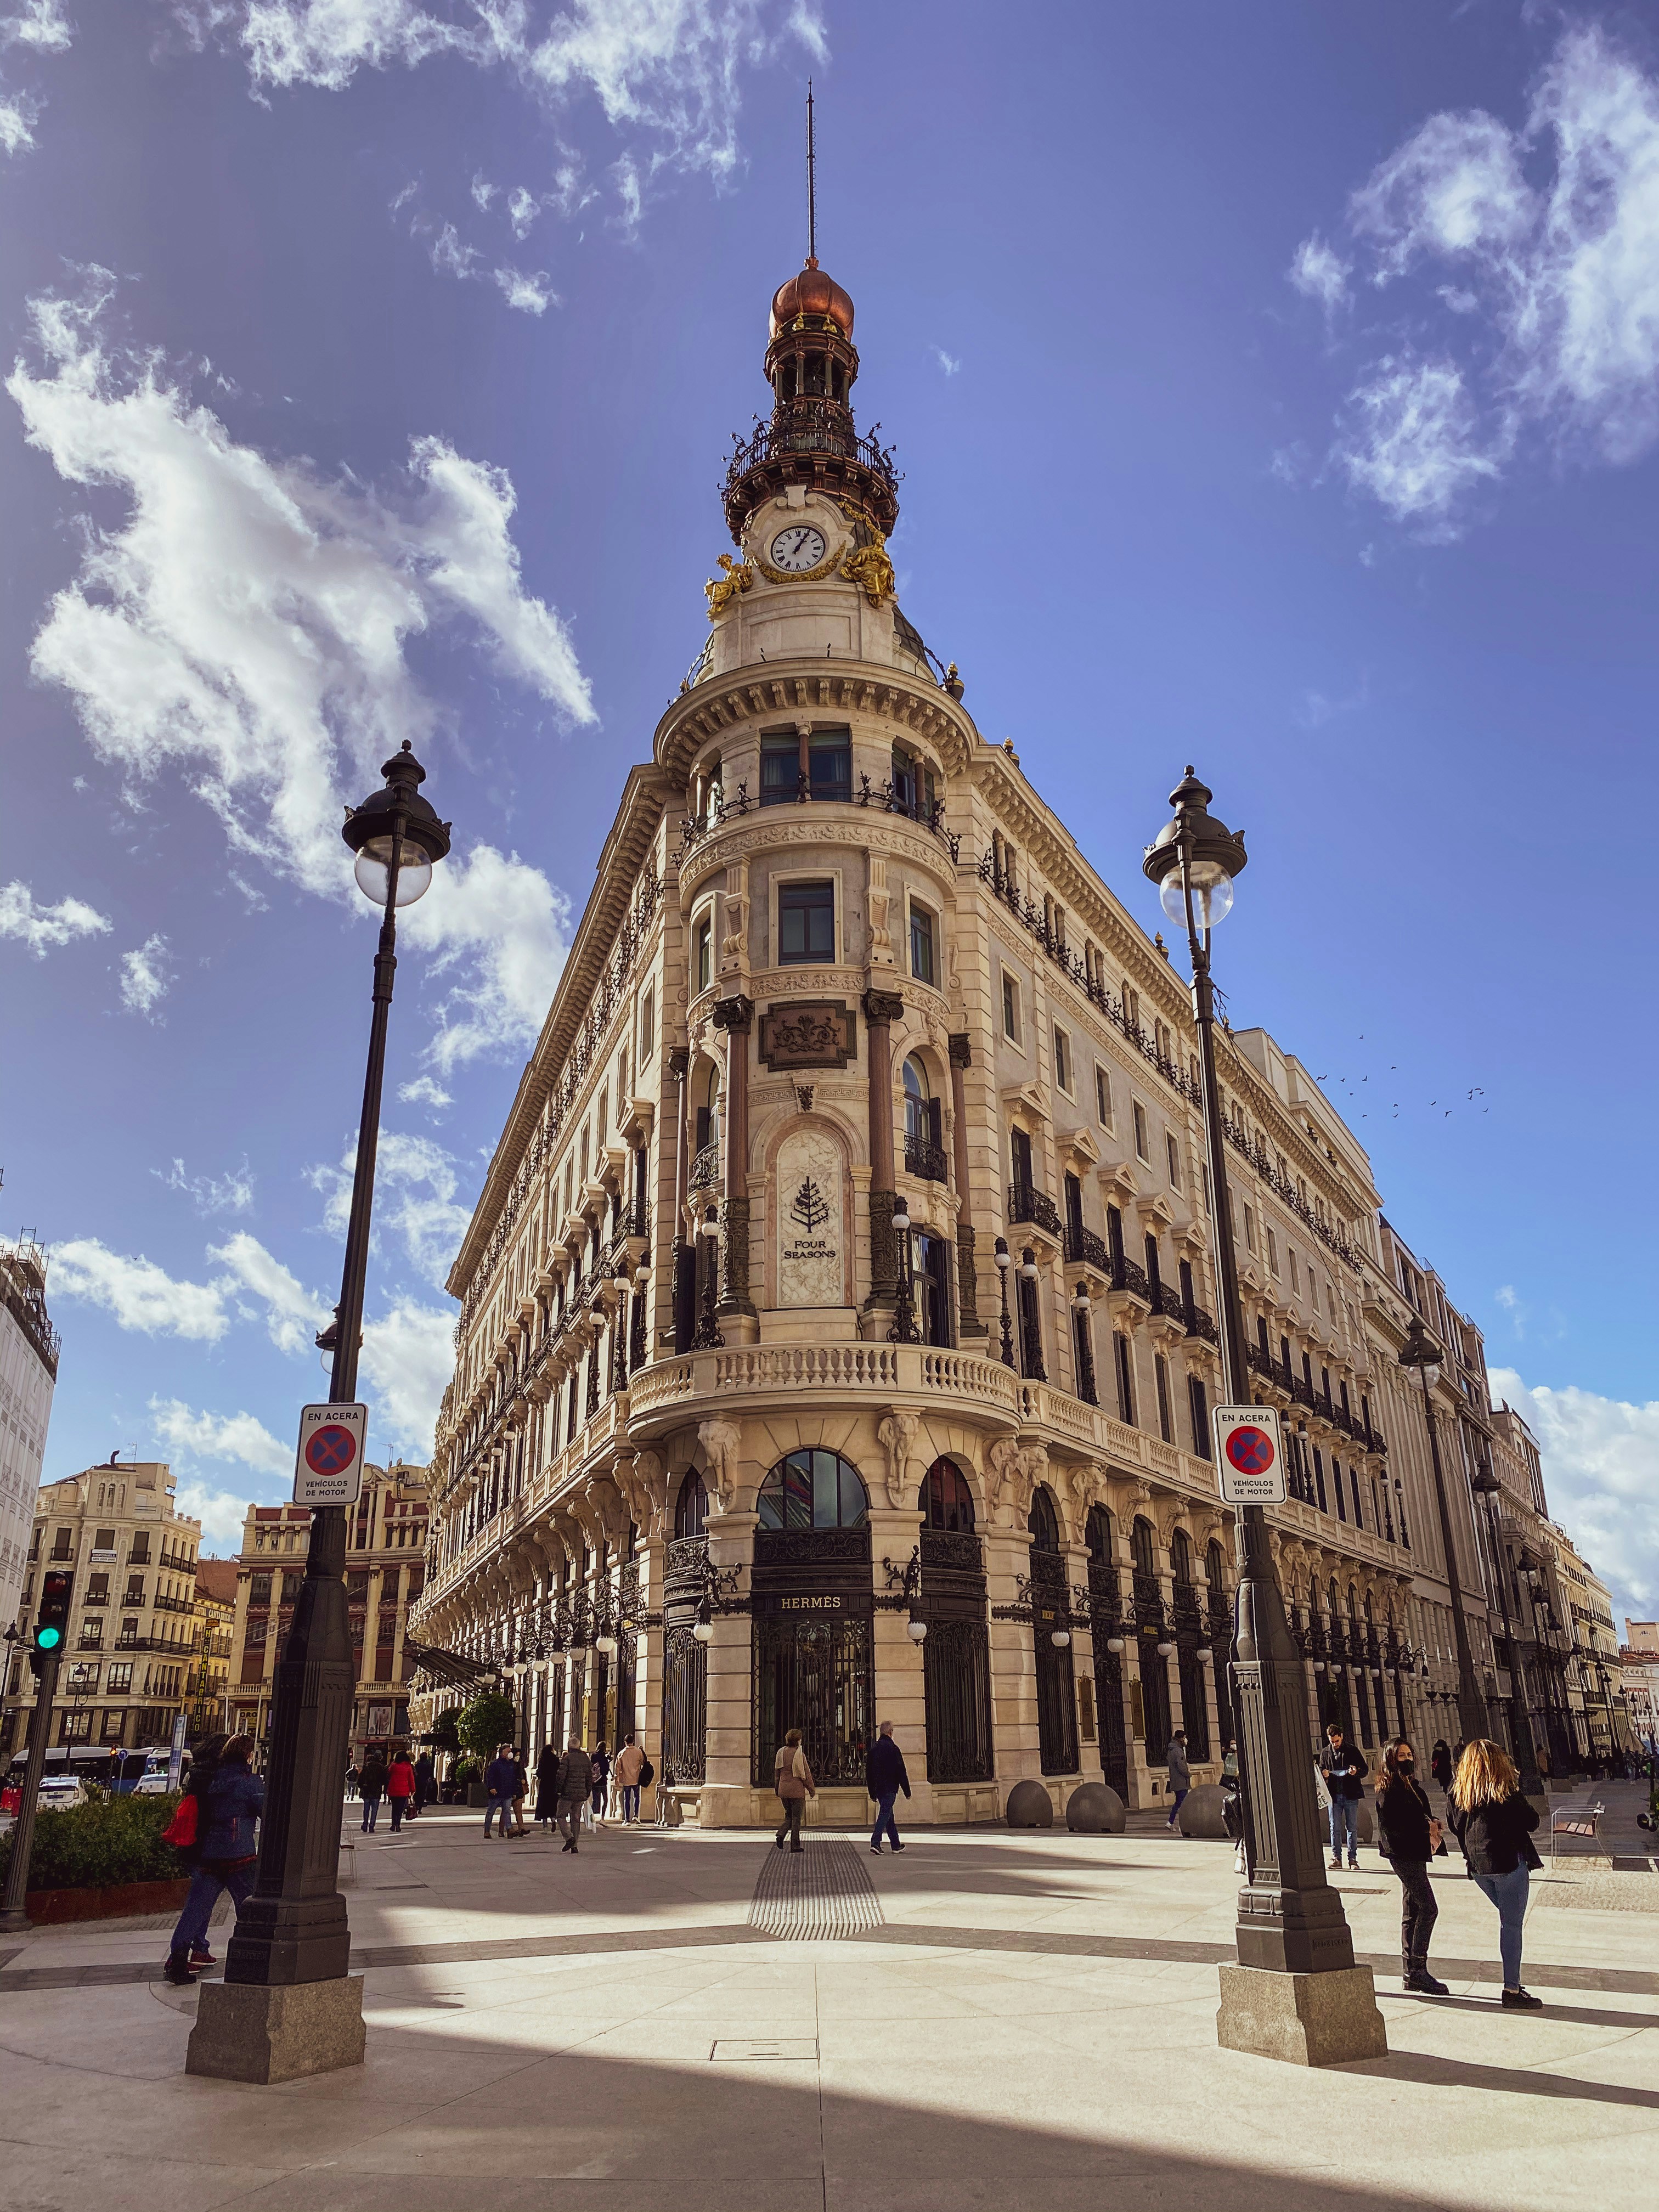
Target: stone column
x: 685, y: 1256
x: 900, y: 1665
x: 728, y: 1790
x: 962, y: 1059
x: 1082, y: 1656
x: 650, y: 1557
x: 736, y: 1017
x: 881, y: 1010
x: 1013, y: 1663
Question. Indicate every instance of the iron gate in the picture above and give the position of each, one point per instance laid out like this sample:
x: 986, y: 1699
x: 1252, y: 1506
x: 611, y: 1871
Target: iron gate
x: 1109, y: 1705
x: 956, y: 1671
x: 815, y: 1676
x: 1195, y: 1706
x: 684, y: 1707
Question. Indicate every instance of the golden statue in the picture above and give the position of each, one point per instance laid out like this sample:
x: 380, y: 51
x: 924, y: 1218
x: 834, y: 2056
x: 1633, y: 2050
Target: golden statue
x: 722, y: 590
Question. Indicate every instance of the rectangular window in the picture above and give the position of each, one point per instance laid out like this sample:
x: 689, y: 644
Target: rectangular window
x: 1130, y: 1008
x: 1102, y: 1097
x: 1125, y: 1378
x: 779, y: 767
x: 1062, y: 1059
x: 806, y: 923
x: 703, y: 957
x: 134, y: 1591
x: 1250, y: 1230
x: 1273, y: 1252
x: 139, y: 1555
x: 829, y: 764
x: 98, y: 1588
x: 259, y: 1590
x: 1199, y: 1404
x: 1010, y: 1008
x: 1173, y: 1151
x: 1353, y: 1478
x: 922, y: 945
x: 119, y: 1680
x: 1142, y: 1142
x: 648, y: 1023
x: 1295, y: 1279
x: 1161, y: 1370
x: 104, y: 1540
x: 912, y: 784
x: 60, y: 1544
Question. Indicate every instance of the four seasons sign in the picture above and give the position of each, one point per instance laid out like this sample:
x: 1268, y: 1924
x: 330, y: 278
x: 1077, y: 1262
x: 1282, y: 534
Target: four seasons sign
x: 810, y: 1230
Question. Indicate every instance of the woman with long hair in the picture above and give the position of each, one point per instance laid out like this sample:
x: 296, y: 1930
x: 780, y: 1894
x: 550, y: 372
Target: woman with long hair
x: 795, y: 1784
x: 1408, y: 1836
x: 1494, y: 1823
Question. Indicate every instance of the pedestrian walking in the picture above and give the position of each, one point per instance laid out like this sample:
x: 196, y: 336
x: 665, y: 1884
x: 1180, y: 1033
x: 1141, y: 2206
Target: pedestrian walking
x: 399, y: 1785
x: 352, y: 1777
x: 228, y: 1802
x: 1493, y: 1823
x: 547, y: 1790
x: 1343, y: 1768
x: 1440, y: 1762
x: 630, y: 1766
x: 573, y: 1783
x: 1181, y: 1774
x: 1232, y: 1804
x: 883, y: 1777
x: 1408, y: 1836
x: 426, y: 1782
x: 601, y: 1760
x: 501, y: 1784
x: 518, y: 1795
x: 371, y: 1782
x: 795, y: 1784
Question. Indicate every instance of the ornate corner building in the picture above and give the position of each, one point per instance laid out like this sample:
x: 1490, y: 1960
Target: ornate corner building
x: 751, y: 1427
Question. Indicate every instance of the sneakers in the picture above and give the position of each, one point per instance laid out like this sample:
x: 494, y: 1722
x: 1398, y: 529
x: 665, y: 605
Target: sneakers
x: 876, y: 1848
x: 1336, y: 1866
x: 1353, y: 1866
x: 178, y: 1971
x: 200, y: 1955
x: 898, y: 1847
x: 1522, y: 2001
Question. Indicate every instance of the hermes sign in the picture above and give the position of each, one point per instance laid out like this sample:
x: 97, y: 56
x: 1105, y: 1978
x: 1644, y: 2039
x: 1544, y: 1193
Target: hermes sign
x: 820, y: 1034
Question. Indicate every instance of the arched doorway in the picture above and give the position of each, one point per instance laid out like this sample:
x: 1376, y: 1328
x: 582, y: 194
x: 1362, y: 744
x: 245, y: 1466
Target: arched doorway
x: 957, y: 1655
x: 1189, y: 1634
x: 1106, y: 1616
x: 1220, y: 1628
x: 685, y: 1660
x: 813, y: 1610
x: 1056, y: 1688
x: 1155, y: 1722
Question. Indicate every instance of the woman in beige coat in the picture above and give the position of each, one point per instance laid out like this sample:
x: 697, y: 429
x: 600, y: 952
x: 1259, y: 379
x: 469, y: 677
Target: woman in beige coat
x: 794, y: 1786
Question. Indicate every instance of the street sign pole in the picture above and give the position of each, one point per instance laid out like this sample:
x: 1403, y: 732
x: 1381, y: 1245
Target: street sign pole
x: 13, y: 1915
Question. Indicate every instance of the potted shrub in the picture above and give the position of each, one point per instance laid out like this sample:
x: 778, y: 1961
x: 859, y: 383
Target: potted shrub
x: 101, y: 1860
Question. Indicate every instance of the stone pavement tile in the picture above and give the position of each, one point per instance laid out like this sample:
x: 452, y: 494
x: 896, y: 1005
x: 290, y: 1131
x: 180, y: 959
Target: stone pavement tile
x: 345, y: 2189
x: 53, y: 2177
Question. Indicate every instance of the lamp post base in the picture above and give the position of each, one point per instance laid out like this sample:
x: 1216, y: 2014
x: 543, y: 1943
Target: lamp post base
x: 256, y: 2031
x: 1304, y: 2019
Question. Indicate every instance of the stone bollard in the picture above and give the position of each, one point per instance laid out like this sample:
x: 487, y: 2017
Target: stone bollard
x: 1029, y: 1806
x: 1095, y: 1809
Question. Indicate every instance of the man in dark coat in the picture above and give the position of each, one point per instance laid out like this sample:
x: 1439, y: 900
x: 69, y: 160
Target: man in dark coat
x: 883, y: 1777
x: 572, y: 1784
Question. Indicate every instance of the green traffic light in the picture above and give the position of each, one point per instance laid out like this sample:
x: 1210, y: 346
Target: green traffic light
x: 48, y: 1639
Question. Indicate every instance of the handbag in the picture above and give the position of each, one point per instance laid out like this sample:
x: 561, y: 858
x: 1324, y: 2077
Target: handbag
x: 647, y: 1776
x: 181, y: 1830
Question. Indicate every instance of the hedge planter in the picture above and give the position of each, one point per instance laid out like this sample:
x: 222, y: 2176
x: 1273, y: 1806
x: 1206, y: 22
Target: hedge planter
x: 125, y: 1900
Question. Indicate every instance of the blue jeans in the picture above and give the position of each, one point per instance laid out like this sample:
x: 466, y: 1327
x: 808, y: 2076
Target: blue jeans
x: 885, y: 1819
x: 205, y: 1883
x: 1345, y: 1817
x: 371, y: 1814
x: 1509, y: 1892
x: 504, y: 1807
x: 1175, y: 1809
x: 630, y: 1797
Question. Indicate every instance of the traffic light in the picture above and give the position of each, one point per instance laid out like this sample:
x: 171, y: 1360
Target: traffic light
x: 52, y: 1617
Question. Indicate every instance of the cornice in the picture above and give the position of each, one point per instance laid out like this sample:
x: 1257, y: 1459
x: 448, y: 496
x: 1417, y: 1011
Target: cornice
x: 754, y: 694
x: 833, y: 822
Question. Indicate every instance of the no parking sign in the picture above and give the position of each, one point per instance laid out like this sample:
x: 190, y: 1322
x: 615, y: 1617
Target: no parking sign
x: 1250, y: 1455
x: 328, y: 1468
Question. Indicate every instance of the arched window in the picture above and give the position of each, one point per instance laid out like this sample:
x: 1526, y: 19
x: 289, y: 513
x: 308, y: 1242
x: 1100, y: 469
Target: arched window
x: 1215, y: 1567
x: 917, y: 1121
x: 708, y: 1107
x: 1098, y: 1533
x: 1180, y: 1556
x: 813, y: 1490
x: 1043, y: 1524
x: 692, y: 1506
x: 1142, y: 1542
x: 946, y: 1500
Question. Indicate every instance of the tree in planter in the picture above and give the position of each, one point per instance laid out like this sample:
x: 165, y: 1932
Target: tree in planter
x: 488, y: 1720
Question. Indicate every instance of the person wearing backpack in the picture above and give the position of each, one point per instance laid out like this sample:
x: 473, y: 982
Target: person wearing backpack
x: 629, y: 1767
x: 227, y: 1802
x: 372, y: 1782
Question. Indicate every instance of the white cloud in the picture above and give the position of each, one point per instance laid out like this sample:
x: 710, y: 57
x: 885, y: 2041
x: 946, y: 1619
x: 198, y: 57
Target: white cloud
x: 1320, y: 273
x: 145, y: 977
x: 408, y: 1358
x: 1412, y: 439
x: 949, y: 362
x: 1601, y: 1459
x: 1547, y: 335
x: 232, y: 1193
x: 221, y: 1513
x: 42, y: 24
x: 482, y: 191
x: 244, y: 623
x: 191, y: 1435
x: 529, y: 292
x: 41, y: 927
x: 293, y: 1314
x: 522, y: 208
x: 414, y: 1184
x: 424, y: 1092
x: 141, y: 1296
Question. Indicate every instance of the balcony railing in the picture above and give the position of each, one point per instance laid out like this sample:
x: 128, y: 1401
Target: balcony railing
x: 1083, y: 1246
x: 1165, y: 1300
x: 1199, y: 1323
x: 1129, y: 1275
x: 809, y: 426
x: 1027, y: 1203
x: 705, y: 1167
x: 926, y: 1161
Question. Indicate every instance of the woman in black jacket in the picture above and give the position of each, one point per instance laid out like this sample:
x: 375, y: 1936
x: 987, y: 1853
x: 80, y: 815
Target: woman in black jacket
x: 1440, y: 1764
x: 1494, y: 1824
x: 1408, y: 1836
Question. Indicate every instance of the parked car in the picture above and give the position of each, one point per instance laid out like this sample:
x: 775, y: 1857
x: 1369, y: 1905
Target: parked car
x: 58, y: 1792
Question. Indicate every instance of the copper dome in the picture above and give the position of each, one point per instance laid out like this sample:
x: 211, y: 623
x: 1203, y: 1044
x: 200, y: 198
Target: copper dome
x: 811, y: 292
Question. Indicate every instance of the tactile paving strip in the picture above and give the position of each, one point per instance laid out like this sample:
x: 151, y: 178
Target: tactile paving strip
x: 817, y: 1893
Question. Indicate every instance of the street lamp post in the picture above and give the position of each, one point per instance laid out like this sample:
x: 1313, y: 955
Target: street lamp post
x: 904, y: 1329
x: 1004, y: 1259
x: 1486, y: 1484
x: 286, y: 2005
x: 1420, y: 1355
x: 1296, y: 1992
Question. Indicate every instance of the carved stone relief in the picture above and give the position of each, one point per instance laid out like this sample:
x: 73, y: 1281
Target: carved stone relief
x: 811, y: 1269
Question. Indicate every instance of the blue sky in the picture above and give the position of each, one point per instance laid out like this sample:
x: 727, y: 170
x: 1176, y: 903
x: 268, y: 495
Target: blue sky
x: 1276, y: 388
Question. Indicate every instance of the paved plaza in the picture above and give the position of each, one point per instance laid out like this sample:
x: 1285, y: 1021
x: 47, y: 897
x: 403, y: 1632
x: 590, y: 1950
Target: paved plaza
x: 994, y: 2019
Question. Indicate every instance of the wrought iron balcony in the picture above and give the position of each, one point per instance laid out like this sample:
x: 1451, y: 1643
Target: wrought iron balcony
x: 1199, y: 1323
x: 924, y: 1161
x: 1129, y: 1275
x: 1084, y: 1246
x: 705, y: 1167
x: 1027, y: 1203
x: 1167, y: 1300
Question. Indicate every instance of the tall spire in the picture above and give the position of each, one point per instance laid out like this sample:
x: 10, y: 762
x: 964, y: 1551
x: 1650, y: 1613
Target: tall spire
x: 811, y: 185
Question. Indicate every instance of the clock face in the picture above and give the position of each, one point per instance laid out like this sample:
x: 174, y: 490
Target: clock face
x: 798, y: 549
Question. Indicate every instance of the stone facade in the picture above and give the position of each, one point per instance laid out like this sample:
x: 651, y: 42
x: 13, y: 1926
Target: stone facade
x: 723, y: 1435
x: 28, y: 1375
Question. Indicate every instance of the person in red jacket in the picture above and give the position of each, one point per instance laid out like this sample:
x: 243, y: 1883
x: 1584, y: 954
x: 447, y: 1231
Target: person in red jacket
x: 400, y: 1785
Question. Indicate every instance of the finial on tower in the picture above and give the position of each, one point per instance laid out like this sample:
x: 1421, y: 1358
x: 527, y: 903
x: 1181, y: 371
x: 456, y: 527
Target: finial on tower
x: 811, y: 185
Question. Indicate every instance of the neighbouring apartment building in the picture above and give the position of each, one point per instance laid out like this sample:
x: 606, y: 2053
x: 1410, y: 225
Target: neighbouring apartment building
x: 386, y: 1568
x: 216, y: 1609
x: 837, y: 1332
x: 28, y: 1375
x: 131, y: 1657
x: 1638, y: 1672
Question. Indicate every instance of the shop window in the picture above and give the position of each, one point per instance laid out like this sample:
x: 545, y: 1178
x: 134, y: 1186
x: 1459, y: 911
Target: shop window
x: 813, y: 1489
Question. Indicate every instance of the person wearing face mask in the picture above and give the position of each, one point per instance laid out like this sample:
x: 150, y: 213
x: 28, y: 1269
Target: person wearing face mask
x: 1408, y: 1836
